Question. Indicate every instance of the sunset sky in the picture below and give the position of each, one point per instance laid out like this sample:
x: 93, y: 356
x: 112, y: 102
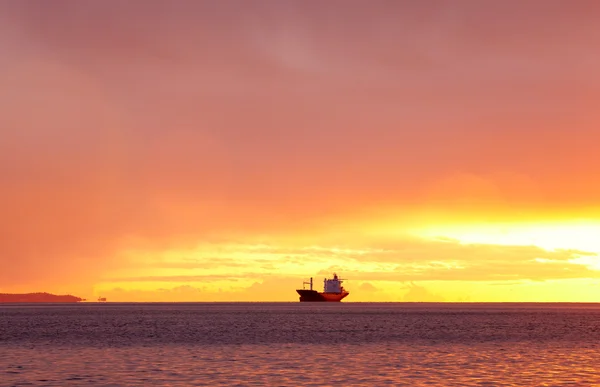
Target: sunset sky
x: 229, y: 150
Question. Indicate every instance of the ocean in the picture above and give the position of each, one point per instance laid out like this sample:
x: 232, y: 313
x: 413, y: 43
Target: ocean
x: 299, y: 344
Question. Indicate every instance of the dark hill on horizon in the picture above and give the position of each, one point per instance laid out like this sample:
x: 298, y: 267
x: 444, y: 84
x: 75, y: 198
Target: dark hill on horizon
x: 37, y: 297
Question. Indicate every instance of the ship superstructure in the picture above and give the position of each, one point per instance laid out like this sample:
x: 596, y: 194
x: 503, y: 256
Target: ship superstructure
x: 333, y: 291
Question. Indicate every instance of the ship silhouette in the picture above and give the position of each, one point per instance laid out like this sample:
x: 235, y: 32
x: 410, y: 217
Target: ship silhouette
x: 333, y: 291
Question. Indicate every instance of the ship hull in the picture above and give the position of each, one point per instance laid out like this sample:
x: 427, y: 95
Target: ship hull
x: 314, y: 296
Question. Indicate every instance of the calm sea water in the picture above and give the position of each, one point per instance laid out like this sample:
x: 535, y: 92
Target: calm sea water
x: 300, y: 344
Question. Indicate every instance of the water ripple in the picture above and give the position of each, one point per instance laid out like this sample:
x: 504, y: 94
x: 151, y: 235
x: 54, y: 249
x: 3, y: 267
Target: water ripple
x: 292, y: 345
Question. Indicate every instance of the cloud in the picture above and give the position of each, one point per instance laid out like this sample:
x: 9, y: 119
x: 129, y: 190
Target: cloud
x: 367, y: 287
x: 267, y: 289
x: 418, y: 293
x: 370, y: 275
x: 405, y: 261
x: 418, y: 260
x: 182, y: 293
x: 184, y: 278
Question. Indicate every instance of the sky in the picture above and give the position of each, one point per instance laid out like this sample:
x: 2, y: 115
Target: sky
x: 228, y: 151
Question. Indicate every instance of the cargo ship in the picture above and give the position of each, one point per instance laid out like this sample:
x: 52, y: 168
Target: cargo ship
x: 333, y: 291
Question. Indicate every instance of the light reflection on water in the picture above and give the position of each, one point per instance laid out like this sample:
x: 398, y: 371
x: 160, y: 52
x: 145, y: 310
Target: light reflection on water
x: 289, y: 344
x: 297, y: 364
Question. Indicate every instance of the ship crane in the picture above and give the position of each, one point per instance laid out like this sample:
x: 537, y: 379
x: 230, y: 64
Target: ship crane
x: 308, y: 283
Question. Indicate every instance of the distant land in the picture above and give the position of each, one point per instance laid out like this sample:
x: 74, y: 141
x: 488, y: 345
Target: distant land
x: 37, y: 297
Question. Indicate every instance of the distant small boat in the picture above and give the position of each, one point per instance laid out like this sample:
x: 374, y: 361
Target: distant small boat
x: 101, y: 299
x: 333, y: 291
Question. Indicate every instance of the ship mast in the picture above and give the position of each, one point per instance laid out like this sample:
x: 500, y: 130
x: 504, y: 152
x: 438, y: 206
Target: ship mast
x: 308, y: 283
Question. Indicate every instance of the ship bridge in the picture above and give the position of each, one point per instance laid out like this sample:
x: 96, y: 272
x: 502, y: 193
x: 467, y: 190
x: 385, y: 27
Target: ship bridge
x: 333, y: 285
